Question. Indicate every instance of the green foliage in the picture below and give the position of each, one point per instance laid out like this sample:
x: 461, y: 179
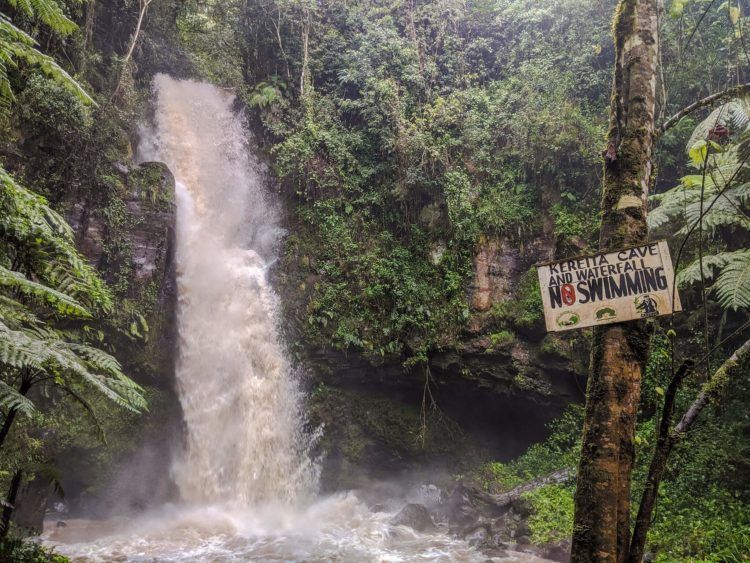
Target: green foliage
x: 18, y: 46
x: 552, y: 513
x: 502, y: 339
x: 39, y: 238
x: 39, y: 242
x: 721, y: 191
x: 379, y: 294
x: 19, y: 550
x: 414, y: 141
x: 526, y: 309
x: 46, y: 11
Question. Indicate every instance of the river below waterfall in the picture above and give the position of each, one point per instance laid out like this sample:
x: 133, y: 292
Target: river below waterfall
x: 247, y: 484
x: 337, y: 528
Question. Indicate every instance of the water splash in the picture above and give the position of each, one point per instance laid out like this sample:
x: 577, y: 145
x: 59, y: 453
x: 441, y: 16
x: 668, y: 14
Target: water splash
x: 239, y: 397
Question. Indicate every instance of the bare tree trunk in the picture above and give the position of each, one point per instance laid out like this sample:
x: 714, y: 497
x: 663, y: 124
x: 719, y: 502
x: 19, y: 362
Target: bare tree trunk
x: 144, y: 4
x: 305, y: 51
x: 602, y: 503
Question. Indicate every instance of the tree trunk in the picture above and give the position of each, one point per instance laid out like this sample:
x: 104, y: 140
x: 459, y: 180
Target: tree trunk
x: 26, y: 383
x: 602, y: 503
x: 10, y: 502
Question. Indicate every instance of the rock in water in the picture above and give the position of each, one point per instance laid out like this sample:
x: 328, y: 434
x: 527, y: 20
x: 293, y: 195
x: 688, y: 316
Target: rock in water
x: 461, y: 511
x: 415, y: 516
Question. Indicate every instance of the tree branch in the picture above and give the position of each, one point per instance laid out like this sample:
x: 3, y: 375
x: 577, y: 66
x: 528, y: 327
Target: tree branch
x: 667, y: 441
x: 143, y: 6
x: 728, y: 94
x: 712, y: 388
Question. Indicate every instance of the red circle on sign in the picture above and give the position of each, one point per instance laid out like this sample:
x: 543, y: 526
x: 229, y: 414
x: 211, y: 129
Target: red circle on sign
x: 568, y: 294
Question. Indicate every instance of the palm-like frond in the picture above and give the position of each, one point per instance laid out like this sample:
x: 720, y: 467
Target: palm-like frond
x: 42, y: 349
x: 46, y: 11
x: 61, y: 302
x: 725, y: 196
x: 734, y: 115
x: 732, y: 287
x: 12, y: 399
x: 32, y: 228
x: 711, y: 265
x: 17, y: 45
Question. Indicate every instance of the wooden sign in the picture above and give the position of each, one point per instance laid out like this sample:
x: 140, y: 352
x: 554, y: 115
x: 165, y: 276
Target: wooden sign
x: 628, y: 284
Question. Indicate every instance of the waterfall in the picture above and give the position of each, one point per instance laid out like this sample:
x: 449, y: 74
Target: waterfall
x: 245, y: 476
x: 240, y: 399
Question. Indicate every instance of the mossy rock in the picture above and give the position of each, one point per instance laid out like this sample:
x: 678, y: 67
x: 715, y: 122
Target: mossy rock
x: 154, y: 185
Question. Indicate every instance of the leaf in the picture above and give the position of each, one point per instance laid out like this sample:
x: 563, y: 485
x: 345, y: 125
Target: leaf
x: 734, y: 14
x: 698, y: 153
x: 12, y: 399
x: 732, y: 287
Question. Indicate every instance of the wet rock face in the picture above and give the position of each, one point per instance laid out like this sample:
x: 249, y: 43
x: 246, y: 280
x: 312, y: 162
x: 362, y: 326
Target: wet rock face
x: 499, y: 265
x: 130, y: 239
x: 134, y: 232
x: 151, y: 188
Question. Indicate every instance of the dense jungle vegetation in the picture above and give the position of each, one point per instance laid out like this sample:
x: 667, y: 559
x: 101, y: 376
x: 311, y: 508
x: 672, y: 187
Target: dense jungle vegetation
x: 405, y: 138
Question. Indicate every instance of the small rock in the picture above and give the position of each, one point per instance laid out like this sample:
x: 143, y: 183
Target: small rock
x: 559, y: 552
x: 61, y: 524
x: 478, y: 537
x: 415, y: 516
x: 122, y: 168
x: 378, y: 508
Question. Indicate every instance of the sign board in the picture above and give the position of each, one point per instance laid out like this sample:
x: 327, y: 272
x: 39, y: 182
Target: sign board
x: 632, y: 283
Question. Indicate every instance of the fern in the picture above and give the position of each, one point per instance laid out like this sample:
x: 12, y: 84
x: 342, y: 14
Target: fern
x: 732, y: 287
x: 17, y: 45
x: 30, y: 227
x: 42, y: 349
x: 680, y: 208
x: 63, y: 303
x: 12, y: 399
x: 46, y: 11
x: 62, y: 284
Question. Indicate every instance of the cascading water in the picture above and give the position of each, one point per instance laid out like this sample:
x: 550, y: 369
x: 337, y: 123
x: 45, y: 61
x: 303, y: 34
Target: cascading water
x: 239, y: 399
x: 245, y: 478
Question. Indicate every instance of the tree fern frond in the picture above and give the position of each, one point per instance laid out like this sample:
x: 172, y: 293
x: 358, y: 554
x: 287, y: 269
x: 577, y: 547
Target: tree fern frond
x: 98, y: 359
x: 711, y: 264
x: 732, y: 287
x: 28, y: 223
x: 61, y: 302
x: 15, y: 314
x: 12, y: 399
x: 18, y: 350
x: 48, y: 12
x: 16, y: 44
x: 732, y: 114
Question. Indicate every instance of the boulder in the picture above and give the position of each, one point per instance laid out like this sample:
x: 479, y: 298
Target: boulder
x: 415, y: 516
x: 461, y: 510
